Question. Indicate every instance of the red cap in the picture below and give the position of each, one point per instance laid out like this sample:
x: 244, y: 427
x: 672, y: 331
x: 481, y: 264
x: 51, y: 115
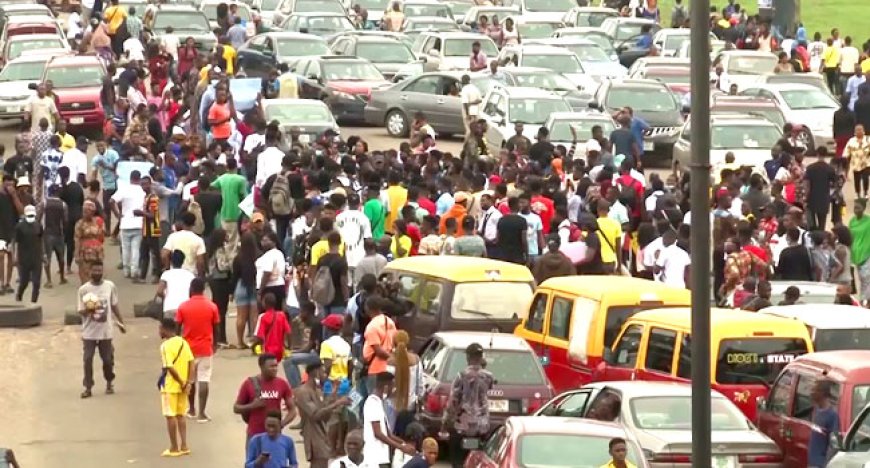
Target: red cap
x: 333, y: 321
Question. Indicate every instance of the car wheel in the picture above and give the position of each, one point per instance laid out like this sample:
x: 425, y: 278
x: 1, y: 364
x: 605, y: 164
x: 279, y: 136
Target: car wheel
x: 805, y: 139
x: 396, y: 123
x: 20, y: 316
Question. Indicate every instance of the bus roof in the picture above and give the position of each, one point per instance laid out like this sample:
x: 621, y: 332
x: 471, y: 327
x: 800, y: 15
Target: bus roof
x: 735, y: 323
x: 462, y: 269
x: 633, y: 289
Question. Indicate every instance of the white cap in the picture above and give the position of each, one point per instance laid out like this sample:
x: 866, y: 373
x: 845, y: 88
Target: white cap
x: 29, y: 210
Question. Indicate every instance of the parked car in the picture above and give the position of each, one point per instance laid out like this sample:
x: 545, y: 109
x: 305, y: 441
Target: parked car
x: 553, y: 442
x: 626, y: 29
x: 78, y: 81
x: 395, y: 106
x: 472, y: 16
x: 588, y: 16
x: 659, y: 61
x: 541, y: 78
x: 319, y: 24
x: 16, y: 46
x: 748, y: 138
x: 414, y: 26
x: 596, y: 35
x: 659, y: 416
x: 26, y: 9
x: 812, y: 292
x: 595, y: 59
x: 450, y: 293
x: 786, y: 414
x: 185, y: 22
x: 743, y: 67
x: 503, y: 107
x: 345, y: 83
x: 209, y: 7
x: 31, y: 24
x: 853, y: 450
x: 15, y: 80
x: 560, y: 123
x: 306, y: 117
x: 264, y: 52
x: 670, y: 40
x: 833, y: 327
x: 675, y: 78
x: 389, y: 55
x: 419, y: 8
x: 520, y: 386
x: 530, y: 29
x: 809, y: 78
x: 450, y: 50
x: 557, y: 59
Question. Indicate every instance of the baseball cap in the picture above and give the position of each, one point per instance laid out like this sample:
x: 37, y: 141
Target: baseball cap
x: 460, y: 197
x: 30, y: 210
x: 333, y: 321
x: 258, y: 217
x: 23, y: 182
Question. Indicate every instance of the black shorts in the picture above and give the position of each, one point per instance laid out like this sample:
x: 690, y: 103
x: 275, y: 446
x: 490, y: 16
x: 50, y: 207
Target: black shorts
x: 53, y: 244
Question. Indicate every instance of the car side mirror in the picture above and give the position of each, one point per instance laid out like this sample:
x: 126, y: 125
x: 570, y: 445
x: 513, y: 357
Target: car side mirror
x: 433, y: 53
x: 761, y: 404
x: 313, y: 77
x: 607, y: 356
x: 837, y: 442
x: 32, y: 86
x: 592, y: 105
x: 497, y: 119
x: 687, y: 109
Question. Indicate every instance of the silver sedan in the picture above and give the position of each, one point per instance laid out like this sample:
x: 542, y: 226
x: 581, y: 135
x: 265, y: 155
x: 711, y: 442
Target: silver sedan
x: 658, y: 414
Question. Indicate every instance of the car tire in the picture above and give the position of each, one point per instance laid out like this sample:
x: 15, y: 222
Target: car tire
x: 18, y: 316
x: 806, y: 136
x: 396, y: 123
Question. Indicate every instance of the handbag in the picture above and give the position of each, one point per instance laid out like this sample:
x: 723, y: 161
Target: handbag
x: 161, y: 381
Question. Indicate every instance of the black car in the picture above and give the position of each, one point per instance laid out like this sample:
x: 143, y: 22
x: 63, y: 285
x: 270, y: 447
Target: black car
x: 344, y: 83
x: 650, y: 100
x: 389, y: 54
x: 272, y: 50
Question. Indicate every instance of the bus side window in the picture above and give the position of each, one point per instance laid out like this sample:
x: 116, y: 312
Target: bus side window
x: 660, y: 350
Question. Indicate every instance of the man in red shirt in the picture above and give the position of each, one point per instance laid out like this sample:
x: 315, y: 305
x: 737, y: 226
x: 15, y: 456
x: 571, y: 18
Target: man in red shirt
x: 198, y: 317
x: 263, y: 393
x: 625, y: 183
x: 541, y: 205
x: 273, y: 329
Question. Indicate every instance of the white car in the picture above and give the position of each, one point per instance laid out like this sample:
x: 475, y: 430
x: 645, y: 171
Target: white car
x: 593, y: 57
x: 308, y: 117
x: 558, y: 59
x: 803, y: 104
x: 503, y: 107
x: 209, y: 7
x: 748, y: 137
x: 450, y: 50
x: 559, y: 124
x: 543, y: 10
x: 15, y: 79
x: 669, y: 41
x: 472, y: 16
x: 742, y: 67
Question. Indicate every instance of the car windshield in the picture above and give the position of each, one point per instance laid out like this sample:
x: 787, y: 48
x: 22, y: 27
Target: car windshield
x: 23, y: 71
x: 549, y: 5
x: 308, y: 6
x: 459, y: 9
x: 860, y: 399
x: 507, y: 367
x: 299, y: 48
x: 269, y: 5
x: 417, y: 25
x: 298, y: 113
x: 755, y: 360
x: 744, y: 136
x: 325, y: 24
x: 385, y: 52
x: 210, y: 11
x: 590, y: 52
x: 490, y: 301
x: 545, y: 80
x: 835, y: 340
x: 751, y: 64
x: 373, y: 5
x: 536, y: 30
x: 427, y: 10
x: 75, y: 77
x: 351, y: 71
x: 642, y: 99
x: 668, y: 78
x: 772, y: 114
x: 17, y: 48
x: 569, y: 451
x: 627, y: 31
x: 181, y: 21
x: 535, y: 111
x: 808, y: 99
x: 798, y: 78
x: 594, y: 19
x: 674, y: 413
x: 675, y: 41
x: 602, y: 40
x: 462, y: 47
x: 558, y: 63
x: 561, y: 129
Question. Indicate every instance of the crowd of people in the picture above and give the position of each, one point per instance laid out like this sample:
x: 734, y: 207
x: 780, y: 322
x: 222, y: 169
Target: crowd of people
x: 295, y: 234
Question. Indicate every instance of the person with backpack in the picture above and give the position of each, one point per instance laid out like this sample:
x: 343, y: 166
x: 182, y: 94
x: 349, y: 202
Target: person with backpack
x: 329, y: 287
x: 264, y: 393
x: 310, y: 352
x: 279, y: 202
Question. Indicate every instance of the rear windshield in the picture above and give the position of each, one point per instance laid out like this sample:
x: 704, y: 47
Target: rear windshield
x: 490, y: 301
x: 755, y: 360
x: 569, y: 450
x: 835, y: 340
x: 507, y: 367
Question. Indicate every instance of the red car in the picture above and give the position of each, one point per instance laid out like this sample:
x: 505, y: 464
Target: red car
x: 78, y: 81
x: 535, y: 441
x: 786, y: 413
x: 521, y: 387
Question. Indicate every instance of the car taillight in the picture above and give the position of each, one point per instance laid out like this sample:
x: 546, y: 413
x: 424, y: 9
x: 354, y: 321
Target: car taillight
x: 672, y: 458
x: 435, y: 403
x: 761, y: 458
x: 530, y: 405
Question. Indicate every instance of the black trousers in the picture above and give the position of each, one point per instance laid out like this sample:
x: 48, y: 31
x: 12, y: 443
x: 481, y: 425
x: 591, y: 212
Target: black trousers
x: 149, y: 253
x: 832, y: 76
x: 816, y: 219
x: 283, y: 223
x: 107, y: 355
x: 861, y: 179
x: 457, y: 453
x: 29, y: 273
x: 69, y: 238
x: 220, y: 294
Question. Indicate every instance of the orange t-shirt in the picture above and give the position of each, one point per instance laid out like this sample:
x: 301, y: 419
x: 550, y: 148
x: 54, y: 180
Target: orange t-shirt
x: 220, y: 112
x: 380, y: 331
x: 198, y: 316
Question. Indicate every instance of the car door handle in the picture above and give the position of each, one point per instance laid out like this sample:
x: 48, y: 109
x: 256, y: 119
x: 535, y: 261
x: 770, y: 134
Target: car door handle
x: 403, y: 97
x: 440, y: 101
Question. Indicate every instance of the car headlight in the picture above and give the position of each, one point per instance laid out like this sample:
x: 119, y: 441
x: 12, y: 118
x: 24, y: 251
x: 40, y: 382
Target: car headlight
x: 343, y: 95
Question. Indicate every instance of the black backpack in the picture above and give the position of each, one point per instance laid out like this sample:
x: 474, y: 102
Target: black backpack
x: 302, y: 249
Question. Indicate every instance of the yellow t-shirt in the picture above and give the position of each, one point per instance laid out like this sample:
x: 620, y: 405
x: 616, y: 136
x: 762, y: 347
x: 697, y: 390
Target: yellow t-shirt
x: 831, y: 57
x: 321, y: 248
x: 115, y: 15
x: 175, y: 353
x: 230, y: 57
x: 398, y: 197
x: 405, y: 242
x: 338, y: 351
x: 609, y: 233
x: 67, y: 142
x: 865, y: 66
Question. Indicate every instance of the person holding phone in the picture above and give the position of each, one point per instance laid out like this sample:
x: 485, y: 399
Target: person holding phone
x: 271, y: 449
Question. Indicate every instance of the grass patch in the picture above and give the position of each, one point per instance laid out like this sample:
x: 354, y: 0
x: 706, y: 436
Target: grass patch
x: 849, y: 16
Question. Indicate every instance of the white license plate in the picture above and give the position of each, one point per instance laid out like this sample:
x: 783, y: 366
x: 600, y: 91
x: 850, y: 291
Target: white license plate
x: 724, y: 462
x: 77, y: 120
x: 498, y: 406
x: 10, y: 109
x: 649, y: 146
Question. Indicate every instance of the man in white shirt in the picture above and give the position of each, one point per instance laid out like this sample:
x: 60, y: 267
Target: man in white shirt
x: 269, y: 161
x: 377, y: 436
x: 171, y: 43
x: 134, y: 49
x: 125, y: 202
x: 189, y: 243
x: 672, y: 264
x: 487, y: 222
x: 470, y: 98
x: 174, y: 285
x: 74, y: 24
x: 76, y: 160
x: 39, y: 107
x: 353, y: 447
x: 849, y: 57
x: 354, y: 228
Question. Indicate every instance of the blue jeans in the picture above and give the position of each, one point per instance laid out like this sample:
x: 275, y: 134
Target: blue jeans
x: 131, y: 240
x: 291, y: 366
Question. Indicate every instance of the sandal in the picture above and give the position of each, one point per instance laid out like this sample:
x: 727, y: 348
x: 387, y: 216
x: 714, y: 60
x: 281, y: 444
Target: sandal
x: 170, y: 453
x: 184, y: 452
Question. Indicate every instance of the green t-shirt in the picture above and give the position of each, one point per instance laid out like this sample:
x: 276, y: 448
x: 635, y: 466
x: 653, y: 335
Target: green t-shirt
x: 377, y: 215
x: 860, y: 229
x: 234, y: 188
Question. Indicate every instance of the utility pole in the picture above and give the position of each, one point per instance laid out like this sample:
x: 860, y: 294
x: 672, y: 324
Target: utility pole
x: 702, y: 453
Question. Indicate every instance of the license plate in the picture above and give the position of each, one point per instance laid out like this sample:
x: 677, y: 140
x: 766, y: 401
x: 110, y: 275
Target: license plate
x: 724, y: 462
x: 470, y: 443
x: 77, y: 120
x: 498, y: 406
x: 649, y: 146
